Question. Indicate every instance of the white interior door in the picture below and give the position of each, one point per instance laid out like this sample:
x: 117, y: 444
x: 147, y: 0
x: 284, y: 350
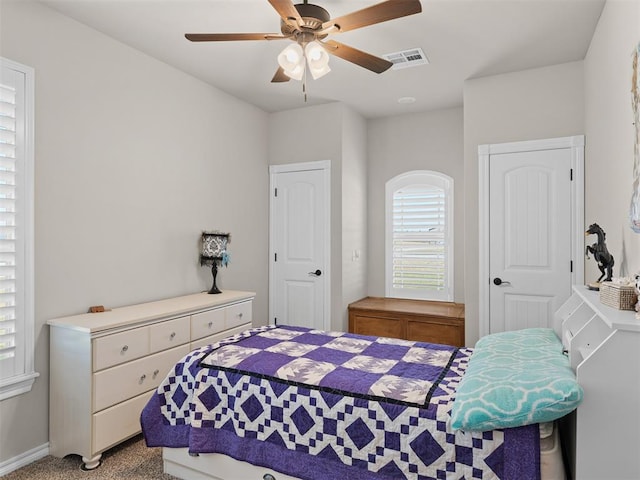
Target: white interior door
x: 531, y: 236
x: 300, y: 245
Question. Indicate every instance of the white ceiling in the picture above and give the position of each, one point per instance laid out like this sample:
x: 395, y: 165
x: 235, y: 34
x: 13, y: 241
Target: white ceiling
x: 462, y: 38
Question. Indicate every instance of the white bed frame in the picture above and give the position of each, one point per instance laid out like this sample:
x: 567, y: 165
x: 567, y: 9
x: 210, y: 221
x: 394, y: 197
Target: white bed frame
x: 216, y: 466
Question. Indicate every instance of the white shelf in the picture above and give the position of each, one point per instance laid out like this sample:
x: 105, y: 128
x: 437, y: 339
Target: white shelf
x: 585, y: 352
x: 617, y: 319
x: 603, y: 345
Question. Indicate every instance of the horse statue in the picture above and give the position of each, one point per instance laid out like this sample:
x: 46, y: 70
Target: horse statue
x: 600, y: 253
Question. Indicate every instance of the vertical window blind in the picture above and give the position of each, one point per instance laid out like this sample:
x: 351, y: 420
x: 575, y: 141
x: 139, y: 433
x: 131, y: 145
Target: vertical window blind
x: 419, y: 238
x: 17, y: 325
x: 8, y: 250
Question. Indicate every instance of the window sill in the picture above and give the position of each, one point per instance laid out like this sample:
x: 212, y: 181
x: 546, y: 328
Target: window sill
x: 18, y: 385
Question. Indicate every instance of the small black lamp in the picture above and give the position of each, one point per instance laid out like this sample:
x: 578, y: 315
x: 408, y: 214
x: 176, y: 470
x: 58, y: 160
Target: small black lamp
x: 214, y: 253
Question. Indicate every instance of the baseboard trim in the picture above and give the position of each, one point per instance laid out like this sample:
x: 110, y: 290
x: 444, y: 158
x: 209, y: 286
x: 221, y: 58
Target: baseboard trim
x: 23, y: 459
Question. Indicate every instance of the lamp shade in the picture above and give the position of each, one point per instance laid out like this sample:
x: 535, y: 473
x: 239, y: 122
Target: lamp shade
x: 291, y: 59
x: 214, y: 244
x: 318, y: 59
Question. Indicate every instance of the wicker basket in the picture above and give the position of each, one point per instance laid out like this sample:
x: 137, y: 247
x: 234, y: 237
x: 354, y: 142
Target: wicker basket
x: 622, y: 297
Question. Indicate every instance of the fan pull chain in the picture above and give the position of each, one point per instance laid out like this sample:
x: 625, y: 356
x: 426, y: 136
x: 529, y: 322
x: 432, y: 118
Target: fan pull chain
x: 304, y: 84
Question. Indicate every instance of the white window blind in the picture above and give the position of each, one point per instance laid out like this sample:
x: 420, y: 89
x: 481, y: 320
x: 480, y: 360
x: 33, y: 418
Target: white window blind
x: 8, y: 331
x: 16, y: 229
x: 419, y: 236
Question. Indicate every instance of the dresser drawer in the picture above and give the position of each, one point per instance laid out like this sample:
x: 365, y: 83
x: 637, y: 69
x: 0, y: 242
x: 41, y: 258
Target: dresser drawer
x: 122, y: 382
x: 211, y: 339
x: 237, y: 314
x: 120, y: 347
x: 169, y: 334
x: 118, y: 423
x: 207, y: 323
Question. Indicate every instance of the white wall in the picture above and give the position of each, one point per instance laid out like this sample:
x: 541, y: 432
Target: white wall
x: 354, y: 211
x: 609, y: 134
x: 421, y: 141
x: 332, y: 132
x: 133, y: 160
x: 307, y: 135
x: 539, y: 103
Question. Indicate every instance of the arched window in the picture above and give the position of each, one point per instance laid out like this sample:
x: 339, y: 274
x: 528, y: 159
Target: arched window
x: 419, y: 236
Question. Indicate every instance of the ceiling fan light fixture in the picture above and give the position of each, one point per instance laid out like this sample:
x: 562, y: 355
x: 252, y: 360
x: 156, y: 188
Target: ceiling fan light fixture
x: 317, y: 73
x: 308, y: 25
x: 296, y: 73
x: 291, y: 57
x: 317, y: 59
x: 316, y: 53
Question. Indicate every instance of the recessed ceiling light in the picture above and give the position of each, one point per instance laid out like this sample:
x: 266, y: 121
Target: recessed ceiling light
x: 406, y: 100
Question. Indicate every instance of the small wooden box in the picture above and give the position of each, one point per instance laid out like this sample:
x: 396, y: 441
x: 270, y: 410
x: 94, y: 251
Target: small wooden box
x: 622, y: 297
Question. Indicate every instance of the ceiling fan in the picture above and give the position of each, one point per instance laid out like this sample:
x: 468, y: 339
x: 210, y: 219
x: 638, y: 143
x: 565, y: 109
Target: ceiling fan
x: 308, y: 25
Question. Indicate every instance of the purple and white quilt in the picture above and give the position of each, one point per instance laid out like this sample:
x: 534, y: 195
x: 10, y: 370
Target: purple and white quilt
x: 332, y: 405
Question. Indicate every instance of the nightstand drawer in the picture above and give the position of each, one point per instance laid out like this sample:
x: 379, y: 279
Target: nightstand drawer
x: 237, y: 314
x: 120, y: 347
x: 169, y: 334
x: 207, y: 323
x: 120, y: 383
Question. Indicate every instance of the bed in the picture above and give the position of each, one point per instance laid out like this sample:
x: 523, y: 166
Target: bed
x: 309, y: 404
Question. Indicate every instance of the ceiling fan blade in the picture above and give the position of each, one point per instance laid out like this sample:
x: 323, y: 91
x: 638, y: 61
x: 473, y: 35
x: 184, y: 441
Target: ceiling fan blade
x: 225, y: 37
x: 280, y: 76
x: 381, y: 12
x: 287, y: 11
x: 353, y: 55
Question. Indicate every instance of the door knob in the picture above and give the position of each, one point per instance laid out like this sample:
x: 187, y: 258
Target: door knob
x: 317, y: 273
x: 499, y: 281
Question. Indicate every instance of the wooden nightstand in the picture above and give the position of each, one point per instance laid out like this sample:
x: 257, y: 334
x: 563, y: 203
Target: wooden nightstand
x: 419, y: 320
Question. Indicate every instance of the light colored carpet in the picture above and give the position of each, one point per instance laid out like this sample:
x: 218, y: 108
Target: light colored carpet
x: 131, y: 460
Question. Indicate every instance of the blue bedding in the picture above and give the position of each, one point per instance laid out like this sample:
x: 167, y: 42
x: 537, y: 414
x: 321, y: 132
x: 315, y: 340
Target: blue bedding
x: 516, y: 378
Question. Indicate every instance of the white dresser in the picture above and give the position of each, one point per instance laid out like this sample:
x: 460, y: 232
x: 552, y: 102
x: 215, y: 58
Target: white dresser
x: 603, y: 435
x: 105, y: 366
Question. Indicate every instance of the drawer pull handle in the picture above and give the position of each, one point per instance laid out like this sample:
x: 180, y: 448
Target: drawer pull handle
x: 240, y: 315
x: 125, y: 348
x: 155, y: 373
x: 172, y: 336
x: 143, y: 378
x: 210, y: 324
